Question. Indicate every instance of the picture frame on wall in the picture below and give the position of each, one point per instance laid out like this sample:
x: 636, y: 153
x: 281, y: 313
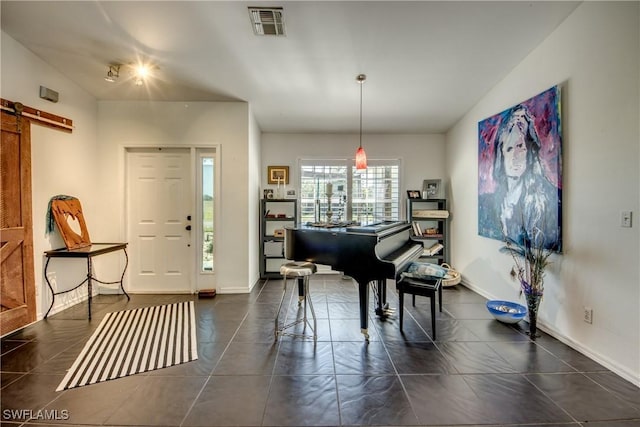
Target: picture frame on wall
x: 431, y: 188
x: 413, y: 194
x: 278, y: 175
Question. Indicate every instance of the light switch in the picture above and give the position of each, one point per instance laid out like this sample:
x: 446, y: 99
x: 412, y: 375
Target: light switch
x: 625, y: 219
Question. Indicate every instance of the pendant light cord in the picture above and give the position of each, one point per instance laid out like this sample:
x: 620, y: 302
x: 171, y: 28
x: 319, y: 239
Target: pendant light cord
x: 361, y: 83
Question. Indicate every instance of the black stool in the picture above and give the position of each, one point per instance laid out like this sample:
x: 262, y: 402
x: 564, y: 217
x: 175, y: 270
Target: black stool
x: 422, y: 287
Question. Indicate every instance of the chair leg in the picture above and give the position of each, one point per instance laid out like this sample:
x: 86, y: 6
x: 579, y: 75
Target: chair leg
x: 304, y: 297
x: 313, y: 313
x: 305, y: 288
x: 433, y: 315
x: 401, y: 307
x: 301, y: 290
x: 284, y: 291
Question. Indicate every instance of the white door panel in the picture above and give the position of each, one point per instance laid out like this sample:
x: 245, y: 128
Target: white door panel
x: 159, y: 202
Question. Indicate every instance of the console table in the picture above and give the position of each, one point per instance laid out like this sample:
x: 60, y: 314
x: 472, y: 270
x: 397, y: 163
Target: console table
x: 87, y: 252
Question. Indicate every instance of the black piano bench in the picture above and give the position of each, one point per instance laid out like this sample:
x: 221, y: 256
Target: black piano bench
x: 299, y: 271
x: 421, y: 287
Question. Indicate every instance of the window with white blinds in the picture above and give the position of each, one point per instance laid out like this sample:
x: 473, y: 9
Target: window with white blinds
x: 366, y: 196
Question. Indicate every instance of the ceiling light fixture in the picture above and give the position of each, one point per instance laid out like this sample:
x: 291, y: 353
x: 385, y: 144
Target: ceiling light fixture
x: 113, y: 73
x: 141, y: 74
x: 361, y: 156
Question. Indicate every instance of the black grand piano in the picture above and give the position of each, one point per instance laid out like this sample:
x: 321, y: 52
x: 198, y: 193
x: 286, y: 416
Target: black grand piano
x: 369, y: 253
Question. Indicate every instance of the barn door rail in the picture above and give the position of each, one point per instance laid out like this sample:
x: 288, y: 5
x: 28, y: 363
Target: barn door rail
x: 37, y: 116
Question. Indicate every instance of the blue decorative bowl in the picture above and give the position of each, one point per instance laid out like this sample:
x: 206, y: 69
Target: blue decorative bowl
x: 506, y: 311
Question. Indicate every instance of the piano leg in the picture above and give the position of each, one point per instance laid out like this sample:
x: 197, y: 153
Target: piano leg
x: 383, y: 309
x: 363, y: 291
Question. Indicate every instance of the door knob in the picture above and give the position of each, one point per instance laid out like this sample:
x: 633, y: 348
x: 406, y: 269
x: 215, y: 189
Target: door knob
x: 188, y: 227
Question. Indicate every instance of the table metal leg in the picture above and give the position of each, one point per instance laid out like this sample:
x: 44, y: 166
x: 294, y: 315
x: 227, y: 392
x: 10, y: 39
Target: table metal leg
x: 126, y: 264
x: 89, y: 277
x: 53, y: 294
x: 121, y: 281
x: 89, y: 287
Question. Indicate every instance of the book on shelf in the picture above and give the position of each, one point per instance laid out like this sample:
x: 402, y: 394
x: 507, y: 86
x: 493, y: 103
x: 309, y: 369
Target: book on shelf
x: 417, y: 230
x: 428, y: 233
x: 430, y: 213
x: 433, y: 249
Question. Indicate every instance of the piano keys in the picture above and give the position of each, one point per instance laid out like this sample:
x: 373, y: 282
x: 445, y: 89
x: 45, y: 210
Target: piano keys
x: 367, y: 253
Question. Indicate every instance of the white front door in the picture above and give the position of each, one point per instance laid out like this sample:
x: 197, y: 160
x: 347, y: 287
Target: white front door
x: 159, y: 207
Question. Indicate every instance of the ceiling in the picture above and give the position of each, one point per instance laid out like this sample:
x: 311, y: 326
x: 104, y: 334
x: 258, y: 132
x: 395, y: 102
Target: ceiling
x: 427, y: 63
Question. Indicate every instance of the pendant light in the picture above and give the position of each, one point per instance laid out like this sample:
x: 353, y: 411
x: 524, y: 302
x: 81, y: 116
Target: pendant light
x: 361, y: 156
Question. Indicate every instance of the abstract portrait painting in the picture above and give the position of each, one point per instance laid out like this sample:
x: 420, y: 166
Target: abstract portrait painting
x: 520, y: 172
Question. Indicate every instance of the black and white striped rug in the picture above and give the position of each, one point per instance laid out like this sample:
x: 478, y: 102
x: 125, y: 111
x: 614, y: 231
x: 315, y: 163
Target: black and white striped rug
x: 133, y: 341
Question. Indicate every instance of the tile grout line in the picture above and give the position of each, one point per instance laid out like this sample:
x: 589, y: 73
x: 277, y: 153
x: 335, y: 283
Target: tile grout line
x: 204, y: 385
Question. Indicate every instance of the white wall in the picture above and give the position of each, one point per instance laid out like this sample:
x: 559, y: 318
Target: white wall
x: 594, y: 56
x: 88, y: 164
x: 223, y: 124
x: 62, y: 163
x: 422, y: 156
x: 253, y: 196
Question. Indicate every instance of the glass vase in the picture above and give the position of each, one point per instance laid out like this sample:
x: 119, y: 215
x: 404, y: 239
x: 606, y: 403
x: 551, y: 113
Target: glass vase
x: 533, y: 303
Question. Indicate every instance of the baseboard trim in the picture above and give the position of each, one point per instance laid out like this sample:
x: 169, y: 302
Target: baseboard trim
x: 599, y: 358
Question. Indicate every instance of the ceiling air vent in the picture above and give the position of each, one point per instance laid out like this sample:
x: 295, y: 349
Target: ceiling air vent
x: 267, y: 21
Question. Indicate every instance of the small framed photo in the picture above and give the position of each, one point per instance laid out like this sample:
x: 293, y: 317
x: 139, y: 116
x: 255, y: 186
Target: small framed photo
x: 291, y: 194
x: 431, y: 188
x: 277, y: 174
x: 268, y: 193
x: 413, y: 194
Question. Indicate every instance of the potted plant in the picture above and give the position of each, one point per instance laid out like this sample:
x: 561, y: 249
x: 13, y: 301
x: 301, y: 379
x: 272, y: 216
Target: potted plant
x: 531, y: 258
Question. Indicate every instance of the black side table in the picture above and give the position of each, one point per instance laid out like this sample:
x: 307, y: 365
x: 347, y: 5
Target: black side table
x: 87, y: 252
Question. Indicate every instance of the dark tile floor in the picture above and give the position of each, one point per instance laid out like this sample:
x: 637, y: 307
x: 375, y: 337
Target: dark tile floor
x: 478, y: 371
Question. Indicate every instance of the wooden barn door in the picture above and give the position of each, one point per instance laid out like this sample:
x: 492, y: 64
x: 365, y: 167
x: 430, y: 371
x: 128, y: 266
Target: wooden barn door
x: 17, y: 286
